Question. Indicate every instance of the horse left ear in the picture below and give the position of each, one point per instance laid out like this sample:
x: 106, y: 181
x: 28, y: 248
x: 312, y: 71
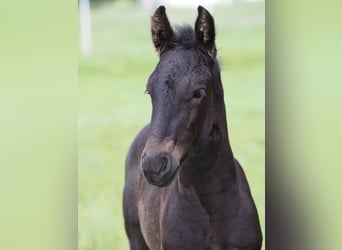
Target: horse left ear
x: 205, y: 30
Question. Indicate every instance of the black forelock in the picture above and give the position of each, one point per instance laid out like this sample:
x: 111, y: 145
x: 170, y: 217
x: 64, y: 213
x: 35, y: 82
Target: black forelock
x: 184, y: 36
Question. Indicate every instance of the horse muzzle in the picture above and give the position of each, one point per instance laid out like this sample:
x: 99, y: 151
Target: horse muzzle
x: 159, y: 169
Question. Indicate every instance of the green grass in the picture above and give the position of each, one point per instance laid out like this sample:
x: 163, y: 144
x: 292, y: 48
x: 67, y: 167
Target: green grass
x: 113, y: 106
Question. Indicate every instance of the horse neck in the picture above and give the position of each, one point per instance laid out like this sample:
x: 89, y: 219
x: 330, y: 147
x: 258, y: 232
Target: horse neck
x: 210, y: 165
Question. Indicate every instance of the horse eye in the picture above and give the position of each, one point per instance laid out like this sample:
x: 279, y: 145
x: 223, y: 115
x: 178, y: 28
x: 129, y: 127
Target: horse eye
x: 199, y: 93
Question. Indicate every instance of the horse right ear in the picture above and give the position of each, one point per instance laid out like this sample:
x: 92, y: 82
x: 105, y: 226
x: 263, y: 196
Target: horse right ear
x: 160, y: 29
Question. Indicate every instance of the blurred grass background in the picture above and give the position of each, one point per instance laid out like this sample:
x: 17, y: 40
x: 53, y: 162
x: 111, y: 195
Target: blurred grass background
x: 113, y: 106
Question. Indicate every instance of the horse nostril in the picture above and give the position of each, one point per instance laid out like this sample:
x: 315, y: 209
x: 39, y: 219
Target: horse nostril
x: 165, y: 166
x: 143, y: 155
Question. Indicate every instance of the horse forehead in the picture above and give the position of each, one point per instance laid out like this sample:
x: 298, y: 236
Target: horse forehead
x: 183, y: 61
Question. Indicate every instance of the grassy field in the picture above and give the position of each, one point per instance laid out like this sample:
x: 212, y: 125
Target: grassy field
x: 113, y: 106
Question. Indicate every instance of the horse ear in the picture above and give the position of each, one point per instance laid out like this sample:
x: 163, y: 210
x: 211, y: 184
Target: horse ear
x: 205, y: 30
x: 160, y: 28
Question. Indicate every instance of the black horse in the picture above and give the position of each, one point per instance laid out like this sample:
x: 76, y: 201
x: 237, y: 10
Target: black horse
x: 184, y: 190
